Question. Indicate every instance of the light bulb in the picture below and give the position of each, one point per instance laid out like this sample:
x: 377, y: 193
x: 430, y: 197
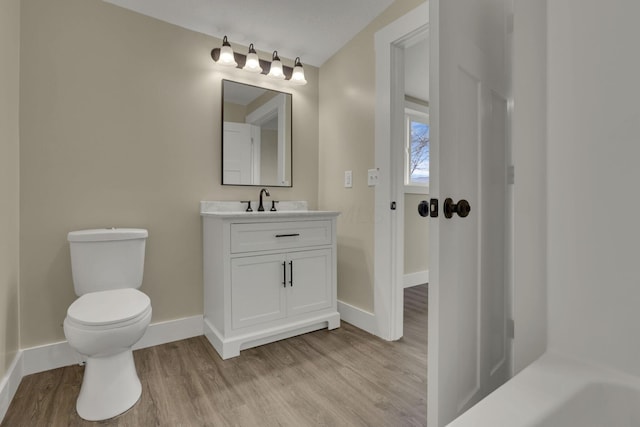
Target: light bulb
x: 226, y: 54
x: 276, y: 72
x: 298, y: 73
x: 253, y: 62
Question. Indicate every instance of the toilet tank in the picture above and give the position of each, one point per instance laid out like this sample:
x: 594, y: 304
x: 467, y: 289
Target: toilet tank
x: 107, y: 258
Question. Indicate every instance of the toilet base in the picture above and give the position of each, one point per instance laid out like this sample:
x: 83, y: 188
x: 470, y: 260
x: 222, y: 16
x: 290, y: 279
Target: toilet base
x: 110, y: 386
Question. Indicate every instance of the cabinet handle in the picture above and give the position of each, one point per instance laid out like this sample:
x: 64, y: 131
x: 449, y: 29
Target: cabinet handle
x: 284, y: 271
x: 288, y: 235
x: 291, y: 273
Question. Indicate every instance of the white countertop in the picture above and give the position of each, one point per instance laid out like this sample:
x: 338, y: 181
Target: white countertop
x: 237, y: 210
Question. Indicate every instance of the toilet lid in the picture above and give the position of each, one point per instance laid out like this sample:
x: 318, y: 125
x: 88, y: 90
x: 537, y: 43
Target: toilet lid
x: 108, y: 307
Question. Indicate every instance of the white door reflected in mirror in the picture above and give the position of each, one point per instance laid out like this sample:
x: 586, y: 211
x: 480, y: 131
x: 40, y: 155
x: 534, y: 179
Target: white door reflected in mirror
x: 256, y: 136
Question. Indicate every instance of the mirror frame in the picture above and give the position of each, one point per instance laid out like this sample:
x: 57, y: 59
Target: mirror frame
x: 290, y: 142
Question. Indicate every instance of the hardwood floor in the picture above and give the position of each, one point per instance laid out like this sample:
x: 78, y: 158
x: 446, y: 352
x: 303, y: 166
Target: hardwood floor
x: 343, y: 377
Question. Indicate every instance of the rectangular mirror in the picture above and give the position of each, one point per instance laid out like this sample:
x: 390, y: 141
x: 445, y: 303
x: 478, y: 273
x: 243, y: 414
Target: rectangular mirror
x: 256, y: 136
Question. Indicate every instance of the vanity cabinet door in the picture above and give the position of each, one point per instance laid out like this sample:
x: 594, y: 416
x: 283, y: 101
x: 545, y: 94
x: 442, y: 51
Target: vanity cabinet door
x: 309, y: 279
x: 257, y: 290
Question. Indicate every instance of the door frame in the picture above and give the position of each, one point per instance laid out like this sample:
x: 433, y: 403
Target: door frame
x: 389, y: 132
x: 275, y: 107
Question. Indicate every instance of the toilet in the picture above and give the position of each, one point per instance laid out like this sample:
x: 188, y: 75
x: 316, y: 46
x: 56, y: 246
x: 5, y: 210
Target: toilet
x: 108, y: 318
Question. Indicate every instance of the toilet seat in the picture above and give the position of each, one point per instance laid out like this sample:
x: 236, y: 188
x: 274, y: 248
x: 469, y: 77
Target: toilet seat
x: 109, y: 309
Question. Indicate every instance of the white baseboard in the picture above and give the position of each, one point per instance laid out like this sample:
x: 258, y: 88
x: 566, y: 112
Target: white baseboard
x: 57, y: 355
x: 358, y: 317
x: 48, y: 356
x: 415, y: 279
x: 171, y: 330
x: 9, y: 383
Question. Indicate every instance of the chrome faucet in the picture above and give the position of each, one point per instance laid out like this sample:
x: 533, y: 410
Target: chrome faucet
x: 266, y: 192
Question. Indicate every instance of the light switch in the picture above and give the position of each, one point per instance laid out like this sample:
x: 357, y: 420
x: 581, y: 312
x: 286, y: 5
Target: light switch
x: 348, y: 179
x: 372, y: 177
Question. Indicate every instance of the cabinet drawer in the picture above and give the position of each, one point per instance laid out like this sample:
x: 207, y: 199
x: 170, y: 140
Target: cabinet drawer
x: 279, y: 235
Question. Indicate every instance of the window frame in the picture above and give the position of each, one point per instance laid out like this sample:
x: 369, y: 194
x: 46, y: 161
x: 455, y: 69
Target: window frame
x: 419, y: 113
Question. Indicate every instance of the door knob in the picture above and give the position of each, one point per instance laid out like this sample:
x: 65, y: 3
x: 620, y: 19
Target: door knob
x: 423, y: 208
x: 462, y: 208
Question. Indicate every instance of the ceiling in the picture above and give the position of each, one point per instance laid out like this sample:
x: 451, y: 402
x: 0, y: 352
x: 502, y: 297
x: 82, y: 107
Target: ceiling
x: 312, y: 29
x: 241, y: 94
x: 416, y: 70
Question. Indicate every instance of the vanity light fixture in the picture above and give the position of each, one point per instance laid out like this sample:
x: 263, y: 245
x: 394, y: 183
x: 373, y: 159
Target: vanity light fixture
x: 274, y: 70
x: 253, y: 62
x: 298, y: 73
x: 226, y: 54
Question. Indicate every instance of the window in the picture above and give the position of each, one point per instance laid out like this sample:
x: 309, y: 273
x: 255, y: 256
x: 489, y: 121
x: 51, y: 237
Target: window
x: 416, y: 151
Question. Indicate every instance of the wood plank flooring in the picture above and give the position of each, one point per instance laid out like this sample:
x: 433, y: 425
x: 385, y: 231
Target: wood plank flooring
x: 343, y: 377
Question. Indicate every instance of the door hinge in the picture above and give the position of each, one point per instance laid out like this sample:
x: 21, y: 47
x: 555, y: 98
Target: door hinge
x: 511, y: 328
x: 393, y: 206
x: 511, y: 175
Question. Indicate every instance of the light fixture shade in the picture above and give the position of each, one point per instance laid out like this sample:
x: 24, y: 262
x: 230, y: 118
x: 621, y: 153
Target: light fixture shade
x: 276, y: 72
x: 297, y: 77
x: 253, y: 62
x: 226, y: 54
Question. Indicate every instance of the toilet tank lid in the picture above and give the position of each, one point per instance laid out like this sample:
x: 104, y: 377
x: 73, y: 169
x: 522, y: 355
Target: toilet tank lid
x: 107, y: 234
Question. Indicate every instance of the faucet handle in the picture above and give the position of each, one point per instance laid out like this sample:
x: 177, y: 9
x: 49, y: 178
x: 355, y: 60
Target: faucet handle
x: 248, y: 202
x: 273, y: 205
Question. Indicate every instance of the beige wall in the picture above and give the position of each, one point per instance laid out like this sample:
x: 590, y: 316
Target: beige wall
x: 347, y: 121
x: 9, y: 180
x: 120, y: 125
x: 416, y: 235
x: 260, y: 101
x: 234, y: 112
x: 268, y: 155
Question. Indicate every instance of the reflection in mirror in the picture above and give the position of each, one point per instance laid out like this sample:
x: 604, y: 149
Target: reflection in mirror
x: 256, y: 136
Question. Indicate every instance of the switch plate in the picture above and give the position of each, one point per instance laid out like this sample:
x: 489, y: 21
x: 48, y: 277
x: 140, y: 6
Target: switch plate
x: 348, y: 179
x: 372, y: 177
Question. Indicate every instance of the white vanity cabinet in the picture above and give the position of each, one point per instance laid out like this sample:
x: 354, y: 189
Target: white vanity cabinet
x: 267, y: 276
x: 270, y: 287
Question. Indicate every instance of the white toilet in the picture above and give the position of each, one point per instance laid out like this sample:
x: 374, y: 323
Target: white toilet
x: 110, y: 316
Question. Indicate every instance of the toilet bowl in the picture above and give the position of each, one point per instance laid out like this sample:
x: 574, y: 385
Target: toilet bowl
x: 108, y: 318
x: 104, y: 326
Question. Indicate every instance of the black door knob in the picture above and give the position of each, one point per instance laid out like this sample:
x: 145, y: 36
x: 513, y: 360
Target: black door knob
x: 462, y: 208
x: 423, y: 208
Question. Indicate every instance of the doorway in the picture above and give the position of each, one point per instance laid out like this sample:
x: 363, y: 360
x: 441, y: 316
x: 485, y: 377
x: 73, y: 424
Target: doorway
x: 392, y: 43
x: 413, y: 174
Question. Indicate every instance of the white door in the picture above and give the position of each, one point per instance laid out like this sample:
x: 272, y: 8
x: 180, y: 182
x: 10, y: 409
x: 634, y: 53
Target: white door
x: 468, y: 345
x: 241, y: 153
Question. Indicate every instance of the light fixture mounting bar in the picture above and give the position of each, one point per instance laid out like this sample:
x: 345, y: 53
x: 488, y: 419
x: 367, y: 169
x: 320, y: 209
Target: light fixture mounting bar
x: 242, y: 59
